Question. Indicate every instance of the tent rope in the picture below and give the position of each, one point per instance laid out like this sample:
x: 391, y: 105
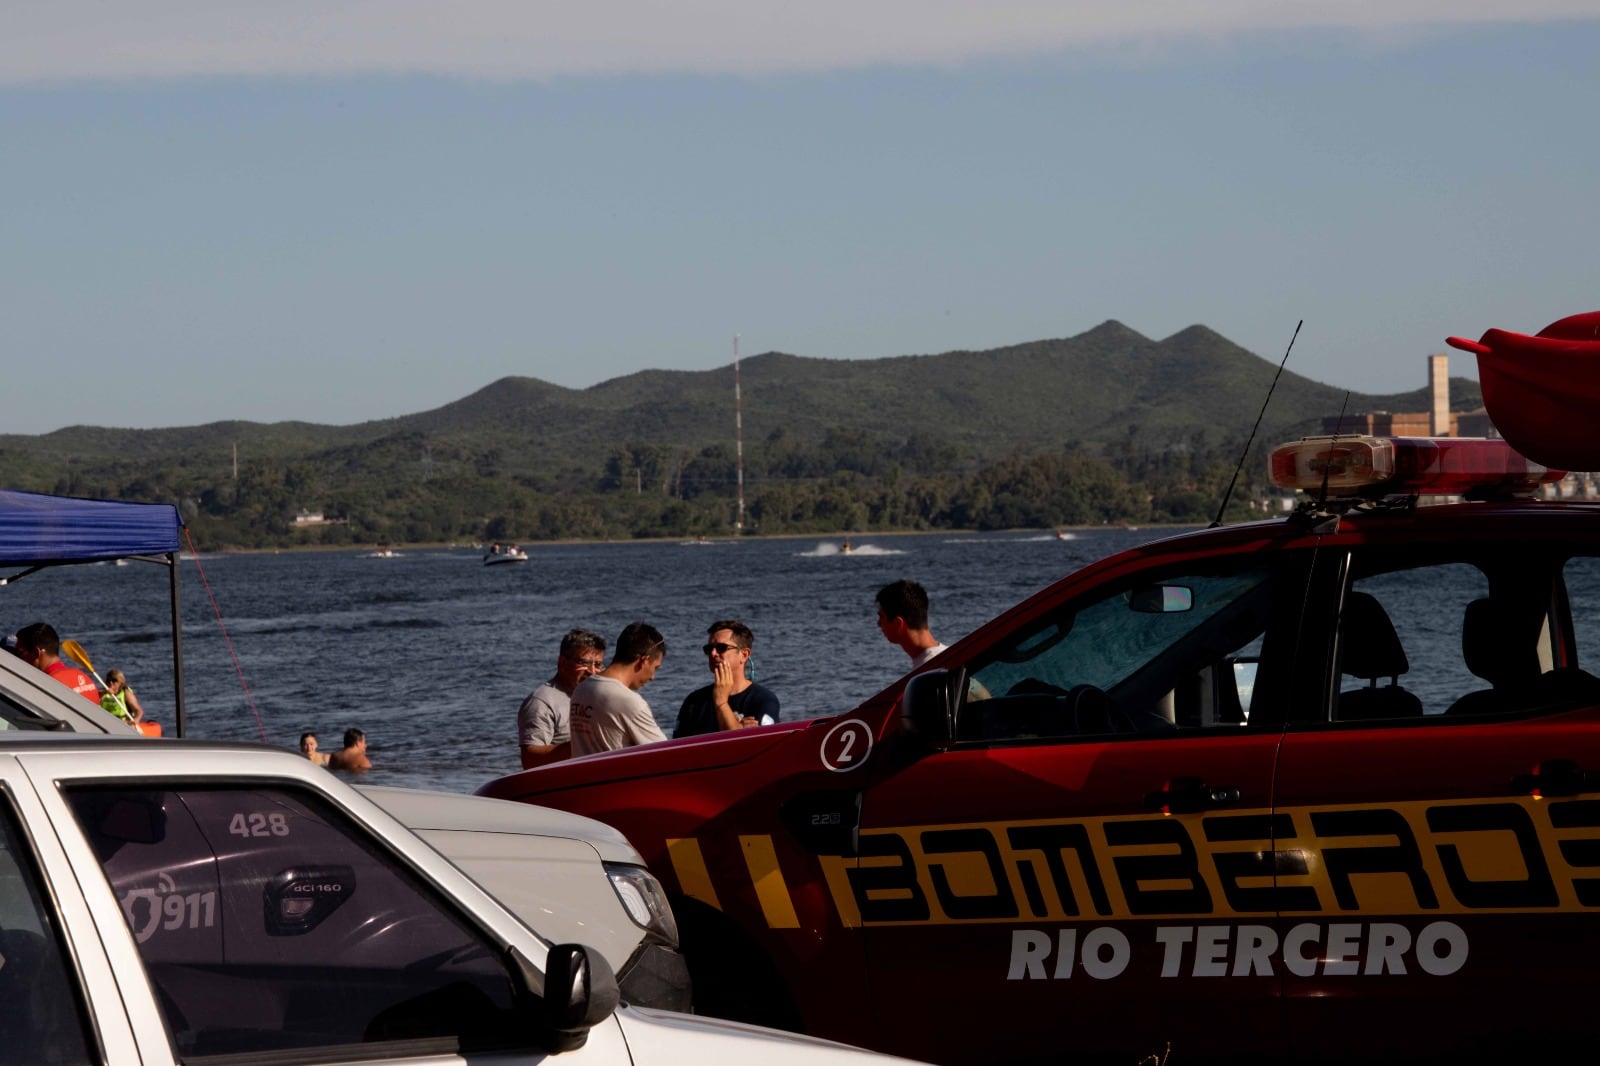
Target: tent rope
x: 226, y: 639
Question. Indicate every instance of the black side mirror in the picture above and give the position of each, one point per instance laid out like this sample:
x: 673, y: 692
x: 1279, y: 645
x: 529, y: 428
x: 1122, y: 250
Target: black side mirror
x: 928, y: 706
x: 580, y: 992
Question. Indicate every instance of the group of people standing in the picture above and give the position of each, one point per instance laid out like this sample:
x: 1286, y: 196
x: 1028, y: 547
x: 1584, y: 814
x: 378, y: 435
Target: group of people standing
x: 590, y: 706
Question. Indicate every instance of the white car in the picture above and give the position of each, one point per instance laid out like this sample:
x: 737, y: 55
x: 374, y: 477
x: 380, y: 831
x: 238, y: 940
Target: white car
x: 196, y: 901
x: 567, y: 877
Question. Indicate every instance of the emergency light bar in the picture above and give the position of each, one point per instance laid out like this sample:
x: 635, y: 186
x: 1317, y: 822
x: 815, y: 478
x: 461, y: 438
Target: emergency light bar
x: 1374, y: 467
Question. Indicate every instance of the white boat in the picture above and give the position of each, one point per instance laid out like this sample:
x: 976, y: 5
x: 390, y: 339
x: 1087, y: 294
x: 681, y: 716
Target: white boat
x: 384, y: 553
x: 504, y: 553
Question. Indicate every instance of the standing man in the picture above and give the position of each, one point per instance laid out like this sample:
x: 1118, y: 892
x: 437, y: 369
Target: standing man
x: 607, y: 711
x: 40, y: 645
x: 544, y: 721
x: 732, y: 700
x: 903, y: 620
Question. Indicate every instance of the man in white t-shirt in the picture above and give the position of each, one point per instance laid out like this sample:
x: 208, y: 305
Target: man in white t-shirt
x: 607, y: 711
x: 903, y: 620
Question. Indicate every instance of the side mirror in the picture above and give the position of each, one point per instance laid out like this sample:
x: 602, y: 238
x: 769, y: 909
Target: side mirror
x: 928, y: 706
x: 580, y: 992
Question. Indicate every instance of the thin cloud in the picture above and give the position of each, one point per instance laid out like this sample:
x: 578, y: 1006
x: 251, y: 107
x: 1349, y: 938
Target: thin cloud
x: 53, y: 41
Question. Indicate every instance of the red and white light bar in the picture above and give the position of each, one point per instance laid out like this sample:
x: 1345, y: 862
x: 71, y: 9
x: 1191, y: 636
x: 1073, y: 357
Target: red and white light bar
x: 1373, y: 467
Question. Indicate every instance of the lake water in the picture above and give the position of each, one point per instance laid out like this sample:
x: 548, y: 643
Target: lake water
x: 431, y: 652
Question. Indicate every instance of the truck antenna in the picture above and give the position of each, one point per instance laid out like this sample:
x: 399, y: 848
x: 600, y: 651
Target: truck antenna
x: 1252, y: 438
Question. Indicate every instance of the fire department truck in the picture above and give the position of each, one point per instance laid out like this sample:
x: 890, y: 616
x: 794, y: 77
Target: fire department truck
x: 1323, y: 788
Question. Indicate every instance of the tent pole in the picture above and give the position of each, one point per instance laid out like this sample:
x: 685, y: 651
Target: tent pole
x: 177, y: 641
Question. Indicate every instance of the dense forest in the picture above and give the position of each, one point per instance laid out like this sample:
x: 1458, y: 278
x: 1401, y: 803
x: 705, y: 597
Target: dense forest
x: 1107, y: 427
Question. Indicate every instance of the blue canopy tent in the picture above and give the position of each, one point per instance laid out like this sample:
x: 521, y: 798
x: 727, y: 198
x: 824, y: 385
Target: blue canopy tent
x: 39, y: 531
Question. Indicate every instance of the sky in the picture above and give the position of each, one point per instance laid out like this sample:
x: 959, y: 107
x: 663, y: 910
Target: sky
x: 344, y: 210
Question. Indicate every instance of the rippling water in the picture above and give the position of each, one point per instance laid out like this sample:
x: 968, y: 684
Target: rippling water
x: 431, y: 652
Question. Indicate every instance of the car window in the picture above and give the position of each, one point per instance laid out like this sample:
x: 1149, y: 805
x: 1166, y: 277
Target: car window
x: 1581, y: 576
x: 1418, y: 669
x: 269, y: 922
x: 1176, y: 650
x: 1495, y: 633
x: 42, y: 1018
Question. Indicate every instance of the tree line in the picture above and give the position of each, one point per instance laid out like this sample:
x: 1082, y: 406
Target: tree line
x: 413, y: 489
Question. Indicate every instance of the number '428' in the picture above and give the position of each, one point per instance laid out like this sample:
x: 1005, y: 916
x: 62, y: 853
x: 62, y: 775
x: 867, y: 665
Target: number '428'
x: 256, y: 824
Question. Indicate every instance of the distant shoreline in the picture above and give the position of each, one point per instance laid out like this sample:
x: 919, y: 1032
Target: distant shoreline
x: 730, y: 538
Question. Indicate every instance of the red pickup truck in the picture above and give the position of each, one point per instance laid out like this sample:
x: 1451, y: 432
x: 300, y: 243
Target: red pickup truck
x: 1319, y: 789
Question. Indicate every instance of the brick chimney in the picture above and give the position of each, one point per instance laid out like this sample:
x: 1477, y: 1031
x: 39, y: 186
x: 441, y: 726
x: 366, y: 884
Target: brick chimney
x: 1439, y: 396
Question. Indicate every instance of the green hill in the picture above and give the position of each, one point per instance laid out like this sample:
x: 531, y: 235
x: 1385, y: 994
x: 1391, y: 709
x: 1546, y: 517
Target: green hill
x: 520, y: 445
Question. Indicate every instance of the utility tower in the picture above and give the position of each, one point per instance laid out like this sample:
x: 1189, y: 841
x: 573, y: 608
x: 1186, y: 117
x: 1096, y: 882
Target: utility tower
x: 738, y: 435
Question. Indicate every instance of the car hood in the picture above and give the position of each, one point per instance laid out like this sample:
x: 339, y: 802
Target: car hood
x: 660, y: 1038
x: 423, y: 811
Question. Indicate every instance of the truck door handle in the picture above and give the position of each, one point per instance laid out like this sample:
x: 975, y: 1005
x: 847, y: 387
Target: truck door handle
x: 1186, y: 795
x: 1557, y: 777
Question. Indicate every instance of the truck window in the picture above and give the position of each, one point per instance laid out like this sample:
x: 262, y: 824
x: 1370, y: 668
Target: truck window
x: 1414, y: 666
x: 1172, y: 651
x: 270, y: 923
x: 1497, y: 633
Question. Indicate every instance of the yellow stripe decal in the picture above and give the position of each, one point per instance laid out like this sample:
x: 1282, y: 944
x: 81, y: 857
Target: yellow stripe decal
x: 762, y: 860
x: 690, y: 867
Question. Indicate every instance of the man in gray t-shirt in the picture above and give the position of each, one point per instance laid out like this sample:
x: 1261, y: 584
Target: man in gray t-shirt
x: 543, y: 727
x: 607, y: 711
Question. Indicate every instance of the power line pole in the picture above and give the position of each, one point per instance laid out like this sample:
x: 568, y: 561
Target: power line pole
x: 738, y: 435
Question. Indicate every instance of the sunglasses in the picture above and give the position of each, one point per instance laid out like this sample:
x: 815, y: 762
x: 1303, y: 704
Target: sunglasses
x: 721, y: 648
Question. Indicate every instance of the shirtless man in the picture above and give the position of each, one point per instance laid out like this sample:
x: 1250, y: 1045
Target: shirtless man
x: 353, y: 756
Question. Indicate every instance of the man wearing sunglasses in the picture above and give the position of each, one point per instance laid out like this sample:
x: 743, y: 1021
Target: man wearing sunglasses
x: 732, y: 700
x: 544, y: 724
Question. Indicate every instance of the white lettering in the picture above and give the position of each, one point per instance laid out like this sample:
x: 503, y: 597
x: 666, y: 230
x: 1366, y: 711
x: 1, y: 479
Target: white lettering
x: 1121, y: 951
x: 1344, y: 942
x: 1253, y: 951
x: 1029, y: 947
x: 1066, y: 951
x: 1211, y: 951
x: 1387, y: 943
x: 1309, y: 949
x: 1453, y: 937
x: 1294, y: 957
x: 1172, y: 938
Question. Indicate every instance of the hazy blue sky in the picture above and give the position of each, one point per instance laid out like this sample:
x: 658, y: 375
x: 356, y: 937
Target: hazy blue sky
x: 337, y: 210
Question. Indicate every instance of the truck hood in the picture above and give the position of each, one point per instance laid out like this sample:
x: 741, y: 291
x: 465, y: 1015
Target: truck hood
x: 647, y: 760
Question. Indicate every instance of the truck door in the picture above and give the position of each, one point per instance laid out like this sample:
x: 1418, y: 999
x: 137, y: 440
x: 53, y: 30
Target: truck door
x: 1444, y: 810
x: 1085, y: 872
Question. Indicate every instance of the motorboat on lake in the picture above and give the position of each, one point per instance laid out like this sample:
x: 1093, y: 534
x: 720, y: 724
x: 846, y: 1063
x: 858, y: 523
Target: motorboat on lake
x: 504, y: 553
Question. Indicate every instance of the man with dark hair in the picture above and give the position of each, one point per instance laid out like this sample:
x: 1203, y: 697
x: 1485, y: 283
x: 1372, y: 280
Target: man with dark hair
x: 544, y: 728
x: 607, y: 711
x: 40, y: 645
x: 353, y: 756
x: 903, y: 620
x: 732, y: 700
